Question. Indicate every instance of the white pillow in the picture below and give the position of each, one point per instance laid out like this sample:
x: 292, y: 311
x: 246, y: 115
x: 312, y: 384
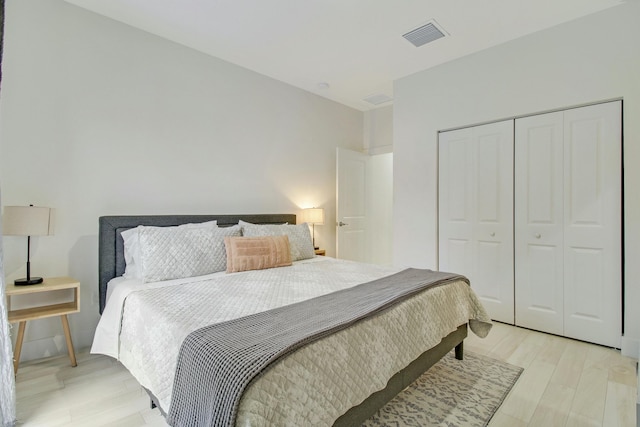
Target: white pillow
x: 299, y: 236
x: 177, y: 252
x: 132, y: 247
x: 131, y: 253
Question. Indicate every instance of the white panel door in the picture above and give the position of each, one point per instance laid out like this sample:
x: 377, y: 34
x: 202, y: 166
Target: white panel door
x: 351, y: 205
x: 538, y: 223
x: 476, y: 212
x: 455, y: 207
x: 593, y: 223
x: 568, y: 213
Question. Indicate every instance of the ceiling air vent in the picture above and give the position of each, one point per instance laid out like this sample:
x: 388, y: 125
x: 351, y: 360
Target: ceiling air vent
x: 425, y: 34
x: 377, y: 99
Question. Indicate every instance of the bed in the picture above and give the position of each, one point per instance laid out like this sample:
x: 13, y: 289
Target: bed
x: 326, y: 372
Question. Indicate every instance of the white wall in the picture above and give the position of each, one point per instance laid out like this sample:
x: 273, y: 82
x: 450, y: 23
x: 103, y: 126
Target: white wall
x: 378, y: 143
x: 380, y: 208
x: 591, y: 59
x: 378, y: 130
x: 98, y: 118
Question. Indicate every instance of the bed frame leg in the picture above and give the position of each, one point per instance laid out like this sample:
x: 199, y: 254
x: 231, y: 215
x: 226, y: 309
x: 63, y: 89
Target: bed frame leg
x: 460, y: 351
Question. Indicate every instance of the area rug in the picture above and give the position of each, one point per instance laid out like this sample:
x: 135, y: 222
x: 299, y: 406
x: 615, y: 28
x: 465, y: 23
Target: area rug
x: 452, y: 393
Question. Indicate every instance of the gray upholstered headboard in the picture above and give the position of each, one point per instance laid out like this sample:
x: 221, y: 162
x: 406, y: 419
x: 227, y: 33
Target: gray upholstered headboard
x: 111, y: 246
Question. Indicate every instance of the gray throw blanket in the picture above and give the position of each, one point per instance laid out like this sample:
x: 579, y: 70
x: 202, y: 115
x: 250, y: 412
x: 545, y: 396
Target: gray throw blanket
x: 218, y: 362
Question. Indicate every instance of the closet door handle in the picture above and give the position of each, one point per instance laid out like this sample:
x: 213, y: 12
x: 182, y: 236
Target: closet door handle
x: 538, y: 235
x: 492, y: 234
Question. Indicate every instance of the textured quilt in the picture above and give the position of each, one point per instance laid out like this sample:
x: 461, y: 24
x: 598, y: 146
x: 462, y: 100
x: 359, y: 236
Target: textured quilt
x: 318, y: 382
x: 216, y: 363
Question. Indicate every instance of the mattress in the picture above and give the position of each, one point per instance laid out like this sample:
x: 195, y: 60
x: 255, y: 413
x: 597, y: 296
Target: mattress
x: 144, y: 324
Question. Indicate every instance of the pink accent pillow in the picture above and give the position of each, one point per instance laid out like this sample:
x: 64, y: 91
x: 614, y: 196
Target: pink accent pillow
x: 257, y: 253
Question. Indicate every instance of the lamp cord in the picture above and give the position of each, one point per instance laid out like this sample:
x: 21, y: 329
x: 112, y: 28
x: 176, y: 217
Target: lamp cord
x: 28, y: 258
x: 313, y: 227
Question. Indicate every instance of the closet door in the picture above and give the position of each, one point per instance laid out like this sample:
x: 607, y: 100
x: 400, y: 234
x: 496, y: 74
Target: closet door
x: 455, y: 208
x: 593, y: 223
x: 538, y: 223
x: 568, y: 232
x: 476, y: 212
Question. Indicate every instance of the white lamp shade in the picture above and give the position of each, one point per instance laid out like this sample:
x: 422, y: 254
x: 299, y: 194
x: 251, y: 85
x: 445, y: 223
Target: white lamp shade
x: 313, y: 216
x: 27, y: 221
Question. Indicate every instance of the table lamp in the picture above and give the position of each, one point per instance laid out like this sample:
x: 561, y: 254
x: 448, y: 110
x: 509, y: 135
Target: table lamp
x: 27, y: 221
x: 313, y: 216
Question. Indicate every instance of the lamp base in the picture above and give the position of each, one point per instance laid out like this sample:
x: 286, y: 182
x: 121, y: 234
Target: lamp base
x: 30, y: 281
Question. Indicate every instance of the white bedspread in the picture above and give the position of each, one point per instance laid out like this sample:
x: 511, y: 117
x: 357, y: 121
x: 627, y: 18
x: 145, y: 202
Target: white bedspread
x: 143, y: 326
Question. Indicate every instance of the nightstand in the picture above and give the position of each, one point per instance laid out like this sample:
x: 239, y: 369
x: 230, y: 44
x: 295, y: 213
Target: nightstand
x: 320, y: 252
x: 42, y: 311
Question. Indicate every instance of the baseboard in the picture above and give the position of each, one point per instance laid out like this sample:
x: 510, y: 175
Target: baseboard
x: 55, y: 345
x: 42, y: 348
x: 630, y: 347
x: 638, y: 394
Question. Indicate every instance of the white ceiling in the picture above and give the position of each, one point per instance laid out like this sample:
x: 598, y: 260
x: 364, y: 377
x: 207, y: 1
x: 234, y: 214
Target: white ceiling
x: 354, y: 46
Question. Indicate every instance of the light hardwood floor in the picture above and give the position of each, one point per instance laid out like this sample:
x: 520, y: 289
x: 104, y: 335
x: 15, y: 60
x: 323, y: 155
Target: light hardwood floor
x: 565, y: 383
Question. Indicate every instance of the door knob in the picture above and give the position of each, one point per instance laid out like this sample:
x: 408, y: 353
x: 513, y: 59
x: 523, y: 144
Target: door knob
x: 538, y: 235
x: 492, y: 234
x: 342, y: 224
